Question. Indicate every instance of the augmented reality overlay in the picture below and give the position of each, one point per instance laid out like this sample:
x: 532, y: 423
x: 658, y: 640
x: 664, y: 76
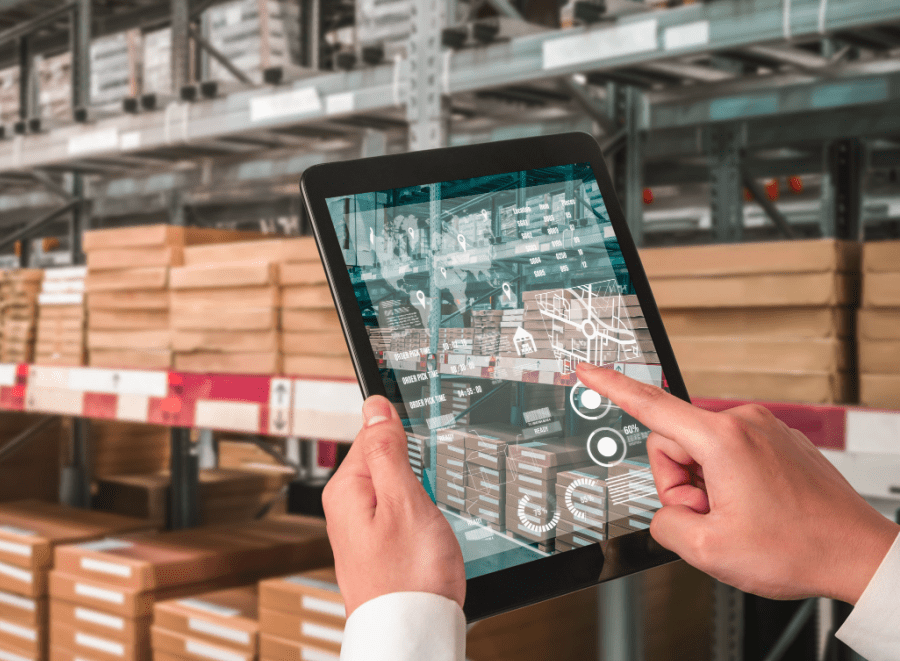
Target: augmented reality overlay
x: 480, y: 297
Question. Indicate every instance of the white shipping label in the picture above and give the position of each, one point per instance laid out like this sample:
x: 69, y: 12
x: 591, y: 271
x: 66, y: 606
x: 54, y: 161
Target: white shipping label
x: 312, y: 630
x: 108, y: 544
x: 15, y: 572
x: 8, y: 374
x: 532, y: 455
x: 92, y: 141
x: 215, y: 609
x: 687, y: 35
x: 311, y: 654
x: 132, y: 382
x: 333, y: 608
x: 600, y: 44
x: 210, y: 652
x: 305, y: 101
x: 18, y: 630
x: 220, y: 414
x: 96, y: 643
x: 15, y: 549
x: 101, y: 619
x: 104, y: 567
x: 101, y: 594
x: 16, y: 601
x: 219, y: 631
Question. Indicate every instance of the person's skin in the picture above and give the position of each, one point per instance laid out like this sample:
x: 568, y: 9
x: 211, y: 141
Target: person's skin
x: 745, y: 499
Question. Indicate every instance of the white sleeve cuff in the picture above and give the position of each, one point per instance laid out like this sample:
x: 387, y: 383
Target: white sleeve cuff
x: 406, y: 626
x: 873, y: 628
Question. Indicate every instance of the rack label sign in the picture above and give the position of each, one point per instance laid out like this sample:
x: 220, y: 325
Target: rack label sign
x: 8, y: 374
x: 304, y: 101
x: 601, y: 44
x: 92, y: 141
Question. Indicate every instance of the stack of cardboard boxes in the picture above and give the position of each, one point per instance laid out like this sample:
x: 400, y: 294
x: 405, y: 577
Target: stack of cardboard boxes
x: 128, y: 297
x: 301, y: 617
x: 103, y: 592
x: 29, y: 532
x: 452, y: 473
x: 879, y: 326
x: 585, y: 489
x: 760, y: 321
x: 116, y: 67
x: 19, y: 294
x: 214, y: 625
x: 487, y: 447
x: 128, y: 448
x: 61, y: 326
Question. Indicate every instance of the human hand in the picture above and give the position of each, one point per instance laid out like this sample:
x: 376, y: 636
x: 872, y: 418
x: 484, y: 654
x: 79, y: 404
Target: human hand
x: 386, y: 534
x: 750, y: 501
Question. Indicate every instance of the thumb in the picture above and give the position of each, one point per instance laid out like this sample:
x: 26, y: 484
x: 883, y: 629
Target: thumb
x: 684, y: 531
x: 382, y: 445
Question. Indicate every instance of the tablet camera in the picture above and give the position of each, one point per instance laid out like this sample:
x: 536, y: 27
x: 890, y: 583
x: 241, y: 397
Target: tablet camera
x: 606, y: 447
x: 587, y: 403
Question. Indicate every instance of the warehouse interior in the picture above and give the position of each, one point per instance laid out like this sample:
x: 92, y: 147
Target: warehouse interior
x: 165, y: 323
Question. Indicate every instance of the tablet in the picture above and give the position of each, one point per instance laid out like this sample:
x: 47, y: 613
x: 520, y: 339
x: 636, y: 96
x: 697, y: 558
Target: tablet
x: 470, y: 282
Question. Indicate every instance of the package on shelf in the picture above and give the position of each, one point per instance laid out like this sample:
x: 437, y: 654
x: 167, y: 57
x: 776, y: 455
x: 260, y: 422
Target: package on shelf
x: 116, y: 66
x: 254, y: 35
x: 115, y: 582
x: 878, y: 326
x: 126, y: 448
x: 301, y: 616
x: 29, y: 532
x: 156, y: 62
x: 19, y: 291
x: 224, y: 494
x: 55, y: 86
x: 760, y: 320
x: 9, y: 95
x: 33, y: 470
x: 220, y: 625
x: 61, y: 318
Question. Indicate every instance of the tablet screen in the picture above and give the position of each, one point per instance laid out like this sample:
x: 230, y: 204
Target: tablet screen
x: 480, y: 298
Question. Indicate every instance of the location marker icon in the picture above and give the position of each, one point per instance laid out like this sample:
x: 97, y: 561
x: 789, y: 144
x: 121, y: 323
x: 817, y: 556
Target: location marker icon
x: 412, y: 234
x: 421, y: 296
x: 443, y: 272
x: 462, y: 240
x: 507, y: 290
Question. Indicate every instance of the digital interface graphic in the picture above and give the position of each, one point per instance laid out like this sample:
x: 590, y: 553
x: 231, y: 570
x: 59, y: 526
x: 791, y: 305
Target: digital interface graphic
x: 480, y: 298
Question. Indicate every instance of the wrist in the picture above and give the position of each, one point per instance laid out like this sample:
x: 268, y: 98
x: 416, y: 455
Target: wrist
x: 861, y: 552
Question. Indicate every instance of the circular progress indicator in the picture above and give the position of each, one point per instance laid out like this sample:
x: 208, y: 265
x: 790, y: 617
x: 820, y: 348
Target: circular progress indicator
x: 533, y: 527
x: 587, y: 403
x: 570, y: 490
x: 606, y: 447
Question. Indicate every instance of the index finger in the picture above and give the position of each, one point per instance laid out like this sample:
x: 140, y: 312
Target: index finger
x: 690, y: 427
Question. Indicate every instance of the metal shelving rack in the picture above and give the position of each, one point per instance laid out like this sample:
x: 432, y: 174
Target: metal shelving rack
x: 722, y: 87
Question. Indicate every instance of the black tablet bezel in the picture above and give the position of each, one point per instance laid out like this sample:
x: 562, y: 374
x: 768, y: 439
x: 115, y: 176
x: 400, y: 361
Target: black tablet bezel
x: 559, y: 574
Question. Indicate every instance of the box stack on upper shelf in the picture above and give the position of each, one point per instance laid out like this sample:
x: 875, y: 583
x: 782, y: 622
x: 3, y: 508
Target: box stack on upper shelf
x: 61, y: 325
x: 128, y: 296
x: 20, y: 289
x: 301, y: 617
x: 156, y: 64
x: 29, y: 532
x: 224, y: 494
x: 116, y: 67
x: 9, y: 95
x: 879, y: 326
x: 114, y: 583
x: 214, y: 625
x: 254, y: 34
x: 54, y: 76
x: 764, y: 321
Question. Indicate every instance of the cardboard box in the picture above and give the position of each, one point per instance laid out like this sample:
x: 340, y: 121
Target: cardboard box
x: 302, y: 249
x: 96, y: 647
x: 131, y: 258
x: 791, y: 290
x: 229, y: 363
x: 139, y: 320
x: 323, y: 343
x: 127, y: 279
x: 225, y: 319
x: 31, y: 639
x: 246, y: 298
x: 313, y: 297
x: 226, y: 341
x: 881, y: 290
x: 332, y: 366
x: 159, y: 235
x: 28, y: 611
x: 189, y: 647
x: 759, y: 322
x: 156, y: 299
x: 145, y: 339
x: 806, y: 256
x: 777, y: 355
x: 880, y: 391
x: 547, y: 454
x: 309, y: 273
x: 881, y: 256
x: 879, y: 356
x: 226, y: 617
x: 278, y: 649
x: 810, y: 387
x: 131, y: 632
x: 879, y: 324
x: 157, y: 359
x: 217, y: 276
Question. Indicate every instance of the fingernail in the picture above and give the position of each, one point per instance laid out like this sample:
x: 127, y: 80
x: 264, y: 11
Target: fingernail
x: 376, y: 409
x: 588, y: 367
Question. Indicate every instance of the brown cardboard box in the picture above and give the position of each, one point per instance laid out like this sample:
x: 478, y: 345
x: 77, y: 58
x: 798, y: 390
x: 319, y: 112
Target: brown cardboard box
x: 155, y: 359
x: 225, y: 275
x: 23, y: 610
x: 256, y: 319
x: 125, y: 339
x: 155, y: 299
x: 134, y: 258
x: 807, y: 256
x: 97, y: 647
x: 323, y: 343
x: 226, y: 341
x: 229, y: 363
x: 307, y: 296
x: 227, y: 618
x: 879, y: 324
x: 332, y: 366
x: 127, y: 279
x: 811, y: 387
x: 879, y: 357
x: 280, y: 649
x: 881, y: 256
x: 776, y: 290
x: 881, y: 290
x: 321, y: 632
x: 159, y: 235
x: 143, y: 320
x: 188, y: 647
x: 261, y: 298
x: 309, y: 273
x: 310, y: 320
x: 312, y: 594
x: 131, y: 632
x: 759, y: 322
x: 880, y: 390
x: 777, y: 355
x: 31, y: 639
x: 18, y: 653
x: 302, y: 249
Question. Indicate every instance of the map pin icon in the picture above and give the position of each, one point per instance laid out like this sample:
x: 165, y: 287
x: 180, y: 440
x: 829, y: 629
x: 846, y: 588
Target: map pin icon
x: 412, y: 233
x: 443, y: 272
x: 462, y: 240
x: 507, y: 290
x: 421, y: 296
